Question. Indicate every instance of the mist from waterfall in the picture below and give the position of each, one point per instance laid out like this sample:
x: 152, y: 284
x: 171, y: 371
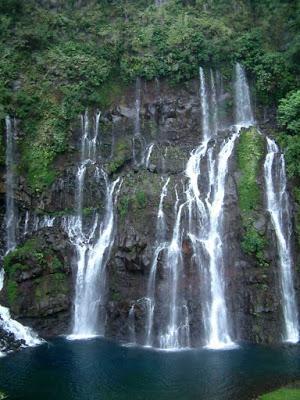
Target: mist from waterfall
x: 92, y: 240
x: 278, y: 207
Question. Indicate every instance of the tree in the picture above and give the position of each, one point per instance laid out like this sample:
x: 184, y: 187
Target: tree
x: 289, y: 113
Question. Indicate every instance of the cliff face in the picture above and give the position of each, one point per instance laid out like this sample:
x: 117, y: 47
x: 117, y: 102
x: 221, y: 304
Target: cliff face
x: 40, y: 274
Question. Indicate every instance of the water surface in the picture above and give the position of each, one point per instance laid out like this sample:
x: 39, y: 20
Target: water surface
x: 98, y: 369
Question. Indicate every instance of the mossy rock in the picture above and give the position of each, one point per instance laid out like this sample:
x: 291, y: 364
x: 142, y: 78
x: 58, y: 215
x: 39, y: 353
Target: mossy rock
x: 36, y: 263
x: 250, y: 152
x: 122, y: 154
x: 140, y: 192
x: 32, y: 254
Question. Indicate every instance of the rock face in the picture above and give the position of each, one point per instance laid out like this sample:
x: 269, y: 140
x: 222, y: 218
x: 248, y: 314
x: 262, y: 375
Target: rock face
x: 39, y: 285
x: 8, y: 342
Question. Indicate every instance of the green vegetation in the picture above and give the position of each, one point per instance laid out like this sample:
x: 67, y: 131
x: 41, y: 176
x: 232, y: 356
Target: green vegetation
x: 282, y: 394
x: 289, y: 122
x: 289, y: 138
x: 2, y: 151
x: 122, y: 154
x: 12, y: 291
x: 32, y: 253
x: 36, y: 260
x: 15, y: 258
x: 254, y: 243
x: 289, y: 113
x: 55, y: 62
x: 140, y: 198
x: 250, y: 152
x: 138, y: 191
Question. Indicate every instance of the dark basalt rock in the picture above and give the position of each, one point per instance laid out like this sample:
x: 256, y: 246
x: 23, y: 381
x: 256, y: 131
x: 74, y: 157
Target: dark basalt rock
x: 8, y: 342
x: 38, y: 285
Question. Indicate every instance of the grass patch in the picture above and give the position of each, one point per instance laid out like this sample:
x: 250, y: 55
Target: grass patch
x: 282, y: 394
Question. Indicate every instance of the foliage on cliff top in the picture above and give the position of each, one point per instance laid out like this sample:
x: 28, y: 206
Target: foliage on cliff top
x: 59, y: 57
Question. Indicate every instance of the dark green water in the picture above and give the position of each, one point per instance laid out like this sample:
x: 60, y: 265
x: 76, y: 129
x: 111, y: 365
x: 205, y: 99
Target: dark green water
x: 98, y: 369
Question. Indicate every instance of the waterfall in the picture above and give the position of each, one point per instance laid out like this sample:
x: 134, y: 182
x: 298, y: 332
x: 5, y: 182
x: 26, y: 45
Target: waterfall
x: 206, y: 171
x: 10, y: 211
x: 206, y: 216
x: 244, y: 115
x: 26, y: 223
x: 175, y: 334
x: 92, y: 243
x: 218, y: 321
x: 131, y: 325
x: 278, y: 207
x: 160, y: 245
x: 147, y: 154
x: 204, y: 106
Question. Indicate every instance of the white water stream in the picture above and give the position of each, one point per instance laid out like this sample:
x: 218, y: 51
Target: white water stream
x: 93, y: 242
x: 278, y: 207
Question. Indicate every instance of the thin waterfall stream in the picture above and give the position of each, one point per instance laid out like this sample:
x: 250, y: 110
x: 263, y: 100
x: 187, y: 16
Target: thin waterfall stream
x: 93, y: 243
x: 160, y: 245
x: 279, y: 209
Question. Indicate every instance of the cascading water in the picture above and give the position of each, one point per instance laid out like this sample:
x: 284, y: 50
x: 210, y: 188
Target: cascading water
x: 19, y: 331
x: 10, y: 211
x: 93, y: 243
x: 26, y: 223
x: 160, y: 245
x: 219, y: 336
x: 205, y: 206
x: 278, y: 207
x: 206, y: 217
x: 131, y: 325
x: 176, y: 333
x: 147, y: 154
x: 244, y: 115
